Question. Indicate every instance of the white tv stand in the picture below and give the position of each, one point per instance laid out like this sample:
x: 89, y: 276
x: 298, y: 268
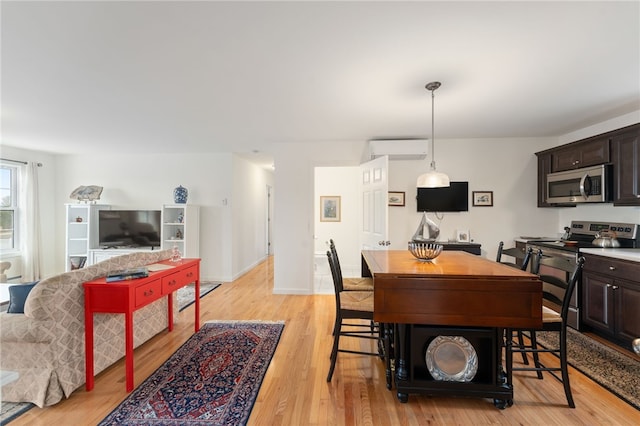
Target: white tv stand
x: 179, y: 228
x: 100, y: 254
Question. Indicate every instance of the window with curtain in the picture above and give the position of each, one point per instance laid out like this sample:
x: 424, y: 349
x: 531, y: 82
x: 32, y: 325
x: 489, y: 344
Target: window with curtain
x: 9, y: 213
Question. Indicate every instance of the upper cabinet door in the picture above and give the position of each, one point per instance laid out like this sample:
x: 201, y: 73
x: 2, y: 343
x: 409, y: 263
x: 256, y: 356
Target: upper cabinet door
x: 626, y: 168
x: 582, y: 154
x: 544, y: 168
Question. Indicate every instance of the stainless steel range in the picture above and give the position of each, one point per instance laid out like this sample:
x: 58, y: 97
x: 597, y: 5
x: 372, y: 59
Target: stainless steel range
x: 559, y: 257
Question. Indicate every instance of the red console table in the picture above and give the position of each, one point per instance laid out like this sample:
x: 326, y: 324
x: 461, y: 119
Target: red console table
x: 124, y: 297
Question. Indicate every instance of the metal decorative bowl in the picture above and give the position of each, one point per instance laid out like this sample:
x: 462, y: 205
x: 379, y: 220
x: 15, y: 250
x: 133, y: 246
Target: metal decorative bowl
x: 425, y: 251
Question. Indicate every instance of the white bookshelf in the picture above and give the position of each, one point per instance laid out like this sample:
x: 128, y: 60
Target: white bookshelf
x: 181, y: 228
x: 81, y: 232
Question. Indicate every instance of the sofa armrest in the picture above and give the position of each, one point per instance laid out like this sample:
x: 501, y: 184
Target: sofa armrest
x: 20, y: 328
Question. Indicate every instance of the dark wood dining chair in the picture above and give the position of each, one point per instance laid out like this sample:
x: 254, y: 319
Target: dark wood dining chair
x: 523, y: 266
x: 356, y: 305
x: 556, y: 299
x: 514, y: 252
x: 351, y: 283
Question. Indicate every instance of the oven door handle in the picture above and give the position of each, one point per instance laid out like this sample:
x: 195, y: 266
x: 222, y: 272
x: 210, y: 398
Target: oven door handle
x: 562, y: 263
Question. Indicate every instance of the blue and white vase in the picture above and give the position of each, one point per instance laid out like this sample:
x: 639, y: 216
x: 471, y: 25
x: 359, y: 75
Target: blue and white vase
x: 180, y: 195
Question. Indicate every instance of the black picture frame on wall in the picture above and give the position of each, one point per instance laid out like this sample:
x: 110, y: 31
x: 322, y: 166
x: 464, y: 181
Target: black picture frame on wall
x: 482, y: 198
x: 396, y: 198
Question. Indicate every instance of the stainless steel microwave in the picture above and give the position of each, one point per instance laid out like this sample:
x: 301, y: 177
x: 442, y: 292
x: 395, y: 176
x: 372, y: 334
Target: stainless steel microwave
x: 586, y: 185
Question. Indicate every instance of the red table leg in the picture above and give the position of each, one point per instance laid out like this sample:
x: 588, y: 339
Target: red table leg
x: 88, y: 342
x: 128, y: 324
x: 197, y: 319
x: 170, y: 311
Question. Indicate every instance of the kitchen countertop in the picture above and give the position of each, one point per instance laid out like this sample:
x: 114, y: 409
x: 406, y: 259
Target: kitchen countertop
x: 531, y: 239
x: 632, y: 254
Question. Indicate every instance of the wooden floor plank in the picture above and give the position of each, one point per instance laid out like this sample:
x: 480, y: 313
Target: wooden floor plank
x: 295, y: 391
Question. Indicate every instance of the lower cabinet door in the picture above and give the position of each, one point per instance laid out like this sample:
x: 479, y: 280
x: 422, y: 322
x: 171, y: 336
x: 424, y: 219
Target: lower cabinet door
x: 597, y: 307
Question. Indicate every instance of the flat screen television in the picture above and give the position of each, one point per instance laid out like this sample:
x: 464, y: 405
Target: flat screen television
x: 454, y: 198
x: 129, y: 228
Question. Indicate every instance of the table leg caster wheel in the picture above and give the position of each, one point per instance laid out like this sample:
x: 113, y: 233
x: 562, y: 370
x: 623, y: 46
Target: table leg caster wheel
x: 501, y: 403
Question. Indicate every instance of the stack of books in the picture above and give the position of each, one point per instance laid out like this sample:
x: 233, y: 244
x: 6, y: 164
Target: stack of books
x: 128, y: 274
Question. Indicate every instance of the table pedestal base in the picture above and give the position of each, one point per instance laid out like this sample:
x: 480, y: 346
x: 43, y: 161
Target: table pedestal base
x: 413, y: 374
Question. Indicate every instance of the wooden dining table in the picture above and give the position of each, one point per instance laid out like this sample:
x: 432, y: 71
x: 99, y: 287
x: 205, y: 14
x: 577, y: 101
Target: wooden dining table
x: 456, y: 305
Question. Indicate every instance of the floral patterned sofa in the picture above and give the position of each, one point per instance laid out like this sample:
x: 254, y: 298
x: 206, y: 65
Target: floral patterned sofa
x: 45, y: 345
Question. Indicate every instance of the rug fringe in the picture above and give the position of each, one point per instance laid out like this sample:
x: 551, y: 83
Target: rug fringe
x: 245, y: 321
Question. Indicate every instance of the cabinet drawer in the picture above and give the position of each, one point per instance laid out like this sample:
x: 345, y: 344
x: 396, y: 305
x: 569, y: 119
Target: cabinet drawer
x: 179, y: 279
x: 612, y: 267
x: 147, y: 293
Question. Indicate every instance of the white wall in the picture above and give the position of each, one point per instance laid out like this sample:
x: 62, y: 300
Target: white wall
x: 508, y: 167
x: 341, y: 181
x: 249, y: 211
x: 294, y: 219
x: 603, y: 127
x: 147, y: 182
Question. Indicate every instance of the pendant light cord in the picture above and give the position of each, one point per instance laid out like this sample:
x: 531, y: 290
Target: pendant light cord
x: 432, y: 87
x: 433, y: 178
x: 433, y: 139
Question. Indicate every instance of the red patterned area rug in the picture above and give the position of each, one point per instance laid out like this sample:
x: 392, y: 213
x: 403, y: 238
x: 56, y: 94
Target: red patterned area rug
x: 212, y: 379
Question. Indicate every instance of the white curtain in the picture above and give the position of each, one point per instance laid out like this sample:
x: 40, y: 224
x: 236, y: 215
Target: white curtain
x: 30, y: 218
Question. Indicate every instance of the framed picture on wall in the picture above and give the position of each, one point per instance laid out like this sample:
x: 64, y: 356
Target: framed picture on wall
x: 396, y: 198
x: 330, y: 208
x: 482, y: 198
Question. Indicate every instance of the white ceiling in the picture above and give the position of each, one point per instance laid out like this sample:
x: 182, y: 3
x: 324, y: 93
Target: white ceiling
x: 238, y: 76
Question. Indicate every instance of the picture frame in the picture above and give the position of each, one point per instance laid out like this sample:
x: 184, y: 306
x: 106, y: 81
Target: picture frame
x: 482, y: 198
x: 330, y: 208
x: 396, y: 198
x: 462, y: 236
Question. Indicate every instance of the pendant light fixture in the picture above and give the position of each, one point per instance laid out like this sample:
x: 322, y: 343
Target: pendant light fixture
x: 433, y: 178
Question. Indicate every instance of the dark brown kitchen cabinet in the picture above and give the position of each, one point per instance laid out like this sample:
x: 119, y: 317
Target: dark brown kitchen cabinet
x: 625, y: 149
x: 544, y: 168
x: 620, y: 148
x: 611, y: 297
x: 597, y: 307
x: 589, y: 152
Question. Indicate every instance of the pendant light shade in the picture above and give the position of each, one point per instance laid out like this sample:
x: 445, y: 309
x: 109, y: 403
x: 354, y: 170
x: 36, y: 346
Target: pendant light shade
x: 433, y: 178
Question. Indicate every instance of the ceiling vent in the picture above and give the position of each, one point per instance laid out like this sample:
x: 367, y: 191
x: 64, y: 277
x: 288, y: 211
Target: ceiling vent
x: 399, y: 149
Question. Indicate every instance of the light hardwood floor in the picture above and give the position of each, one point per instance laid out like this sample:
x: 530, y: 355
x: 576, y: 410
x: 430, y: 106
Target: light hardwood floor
x: 295, y: 391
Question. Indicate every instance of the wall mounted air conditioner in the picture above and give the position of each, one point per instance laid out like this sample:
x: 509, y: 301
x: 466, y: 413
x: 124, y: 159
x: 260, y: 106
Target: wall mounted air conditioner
x: 399, y: 149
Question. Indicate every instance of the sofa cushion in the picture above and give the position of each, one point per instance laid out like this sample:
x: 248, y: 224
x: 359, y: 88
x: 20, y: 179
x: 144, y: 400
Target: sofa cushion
x: 17, y: 296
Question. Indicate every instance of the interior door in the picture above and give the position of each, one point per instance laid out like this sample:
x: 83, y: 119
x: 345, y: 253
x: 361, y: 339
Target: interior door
x: 374, y: 187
